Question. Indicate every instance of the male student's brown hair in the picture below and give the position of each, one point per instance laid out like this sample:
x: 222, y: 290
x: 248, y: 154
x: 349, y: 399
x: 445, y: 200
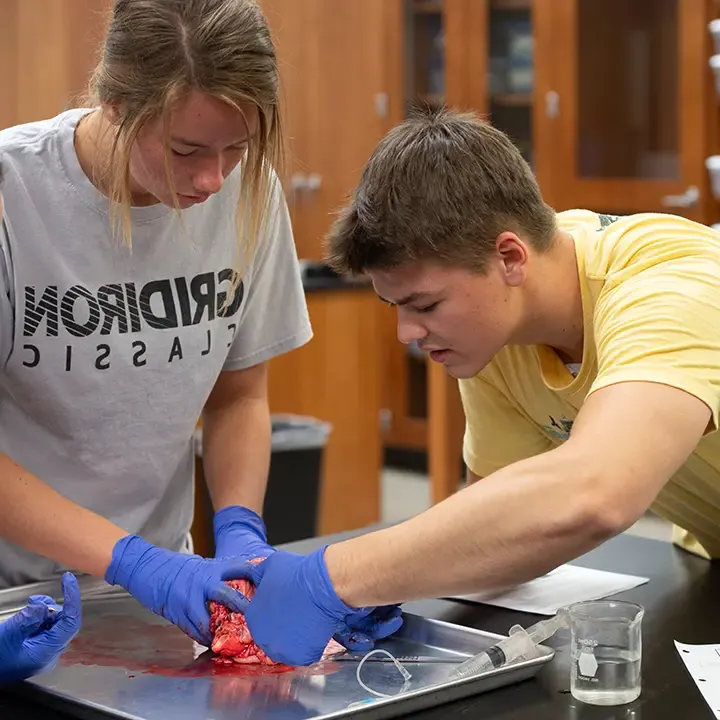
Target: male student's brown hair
x: 441, y: 187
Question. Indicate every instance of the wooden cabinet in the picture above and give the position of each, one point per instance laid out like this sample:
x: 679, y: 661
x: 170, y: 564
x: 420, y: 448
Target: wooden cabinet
x: 629, y: 105
x: 333, y: 64
x: 337, y: 377
x: 48, y: 48
x: 335, y: 73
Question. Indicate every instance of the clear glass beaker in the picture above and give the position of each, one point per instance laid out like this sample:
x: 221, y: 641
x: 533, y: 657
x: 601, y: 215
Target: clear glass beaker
x: 606, y: 648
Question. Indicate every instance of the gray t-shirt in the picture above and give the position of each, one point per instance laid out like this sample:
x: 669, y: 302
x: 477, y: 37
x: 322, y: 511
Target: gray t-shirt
x: 108, y: 355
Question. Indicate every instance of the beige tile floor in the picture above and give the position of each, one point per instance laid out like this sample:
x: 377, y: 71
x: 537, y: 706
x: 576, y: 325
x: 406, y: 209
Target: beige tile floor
x: 406, y: 493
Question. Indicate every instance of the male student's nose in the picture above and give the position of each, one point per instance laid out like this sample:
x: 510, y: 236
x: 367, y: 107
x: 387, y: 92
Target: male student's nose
x: 409, y: 330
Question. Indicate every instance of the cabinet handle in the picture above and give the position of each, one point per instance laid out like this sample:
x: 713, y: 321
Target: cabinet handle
x: 552, y: 104
x: 314, y: 182
x: 298, y: 182
x: 303, y: 186
x: 687, y: 199
x: 382, y: 104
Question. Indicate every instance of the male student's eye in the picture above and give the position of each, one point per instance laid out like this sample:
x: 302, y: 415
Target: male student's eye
x: 428, y: 308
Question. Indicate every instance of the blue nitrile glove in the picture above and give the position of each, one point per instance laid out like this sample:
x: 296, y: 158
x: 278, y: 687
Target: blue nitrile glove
x: 174, y: 585
x: 32, y: 640
x: 295, y: 610
x: 240, y: 533
x: 362, y: 631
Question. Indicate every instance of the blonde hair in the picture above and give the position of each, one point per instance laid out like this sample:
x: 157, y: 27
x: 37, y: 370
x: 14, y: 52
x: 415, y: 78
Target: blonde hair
x: 439, y: 187
x: 155, y: 52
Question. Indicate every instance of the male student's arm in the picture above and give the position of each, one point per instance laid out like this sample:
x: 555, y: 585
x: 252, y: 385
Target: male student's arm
x: 656, y: 394
x: 532, y: 516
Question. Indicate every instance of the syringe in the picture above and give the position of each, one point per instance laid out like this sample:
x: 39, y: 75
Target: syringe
x: 520, y: 644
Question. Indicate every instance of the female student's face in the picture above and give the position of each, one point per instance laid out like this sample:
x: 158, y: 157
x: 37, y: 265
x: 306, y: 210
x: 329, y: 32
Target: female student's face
x: 208, y: 138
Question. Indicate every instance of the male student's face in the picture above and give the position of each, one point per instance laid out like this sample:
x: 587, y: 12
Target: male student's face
x: 461, y: 318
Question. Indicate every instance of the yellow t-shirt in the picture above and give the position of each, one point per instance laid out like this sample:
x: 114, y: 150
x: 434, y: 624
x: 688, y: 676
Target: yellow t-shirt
x: 651, y: 305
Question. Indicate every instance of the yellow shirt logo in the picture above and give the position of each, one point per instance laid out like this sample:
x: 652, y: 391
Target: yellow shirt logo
x: 559, y: 428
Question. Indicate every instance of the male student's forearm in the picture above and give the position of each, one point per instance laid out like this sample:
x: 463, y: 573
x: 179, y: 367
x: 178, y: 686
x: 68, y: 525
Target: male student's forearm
x: 514, y: 525
x: 38, y: 518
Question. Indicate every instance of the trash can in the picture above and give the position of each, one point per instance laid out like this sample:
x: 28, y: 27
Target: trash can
x: 292, y: 499
x: 293, y: 493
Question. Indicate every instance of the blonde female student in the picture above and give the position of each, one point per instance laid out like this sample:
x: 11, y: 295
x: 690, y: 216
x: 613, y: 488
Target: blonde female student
x: 147, y: 276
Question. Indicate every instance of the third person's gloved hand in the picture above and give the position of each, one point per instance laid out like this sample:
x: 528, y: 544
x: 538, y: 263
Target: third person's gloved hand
x: 32, y: 640
x: 295, y: 610
x: 362, y: 631
x: 239, y: 532
x: 174, y: 585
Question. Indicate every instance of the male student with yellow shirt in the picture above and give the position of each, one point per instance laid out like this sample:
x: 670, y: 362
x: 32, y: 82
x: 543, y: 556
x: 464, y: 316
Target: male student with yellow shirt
x: 588, y: 352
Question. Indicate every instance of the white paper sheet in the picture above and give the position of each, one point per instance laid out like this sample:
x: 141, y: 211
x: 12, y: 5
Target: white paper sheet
x: 703, y: 664
x: 561, y: 587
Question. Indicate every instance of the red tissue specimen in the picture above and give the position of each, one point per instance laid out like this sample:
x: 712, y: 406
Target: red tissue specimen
x: 232, y: 641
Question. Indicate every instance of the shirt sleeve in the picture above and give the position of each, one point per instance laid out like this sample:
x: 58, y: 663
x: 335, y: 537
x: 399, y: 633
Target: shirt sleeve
x: 7, y: 297
x: 274, y: 317
x: 663, y: 325
x: 497, y: 432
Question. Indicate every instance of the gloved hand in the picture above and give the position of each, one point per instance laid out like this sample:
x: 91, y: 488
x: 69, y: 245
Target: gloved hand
x: 295, y: 610
x: 361, y: 631
x: 32, y: 640
x: 174, y: 585
x: 240, y: 533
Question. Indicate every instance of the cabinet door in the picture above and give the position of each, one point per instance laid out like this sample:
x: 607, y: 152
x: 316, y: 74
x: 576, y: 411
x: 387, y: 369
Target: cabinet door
x: 290, y: 24
x: 333, y: 67
x: 348, y: 105
x: 48, y: 49
x: 625, y: 104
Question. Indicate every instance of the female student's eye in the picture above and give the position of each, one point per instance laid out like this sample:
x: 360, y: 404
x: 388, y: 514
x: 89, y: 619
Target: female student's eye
x: 182, y: 154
